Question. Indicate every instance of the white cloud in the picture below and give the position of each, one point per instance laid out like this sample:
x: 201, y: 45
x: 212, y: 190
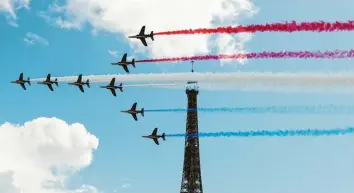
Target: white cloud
x: 32, y: 38
x: 126, y: 185
x: 40, y: 155
x: 10, y: 7
x: 113, y: 53
x: 12, y: 23
x: 127, y: 17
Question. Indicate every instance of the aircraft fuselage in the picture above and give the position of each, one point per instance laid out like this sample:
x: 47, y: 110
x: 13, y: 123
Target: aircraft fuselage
x: 124, y: 63
x: 152, y: 136
x: 112, y: 87
x: 45, y: 82
x: 77, y: 83
x: 18, y: 81
x: 140, y: 36
x: 131, y: 112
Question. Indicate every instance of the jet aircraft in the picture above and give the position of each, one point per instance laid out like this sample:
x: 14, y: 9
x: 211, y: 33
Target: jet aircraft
x: 49, y: 83
x: 124, y: 63
x: 155, y: 137
x: 22, y: 82
x: 133, y: 111
x: 113, y: 87
x: 80, y: 84
x: 142, y: 36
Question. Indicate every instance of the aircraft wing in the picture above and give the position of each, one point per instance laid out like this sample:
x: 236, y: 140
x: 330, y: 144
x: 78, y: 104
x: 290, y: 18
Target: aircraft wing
x: 112, y: 82
x: 134, y: 107
x: 48, y: 78
x: 81, y: 88
x: 143, y: 41
x: 113, y: 92
x: 134, y: 116
x: 124, y: 58
x: 21, y: 77
x: 154, y: 132
x: 50, y: 87
x: 126, y: 68
x: 79, y: 79
x: 142, y: 31
x: 23, y: 86
x: 156, y: 141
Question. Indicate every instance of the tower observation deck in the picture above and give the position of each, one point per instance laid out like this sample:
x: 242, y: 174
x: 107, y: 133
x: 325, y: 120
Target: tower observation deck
x: 191, y: 176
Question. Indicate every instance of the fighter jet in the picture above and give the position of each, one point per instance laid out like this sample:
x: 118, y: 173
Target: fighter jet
x: 155, y: 137
x: 49, y: 83
x: 112, y: 87
x: 22, y: 82
x: 124, y: 63
x: 133, y: 111
x: 142, y: 36
x: 80, y: 84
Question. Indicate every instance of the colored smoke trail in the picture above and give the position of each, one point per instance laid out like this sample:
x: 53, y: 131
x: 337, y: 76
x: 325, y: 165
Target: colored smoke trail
x: 319, y: 26
x: 270, y: 109
x: 269, y: 133
x: 335, y: 54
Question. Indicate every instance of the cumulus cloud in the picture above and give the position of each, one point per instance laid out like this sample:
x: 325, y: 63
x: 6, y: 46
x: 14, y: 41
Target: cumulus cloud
x: 32, y: 38
x: 127, y: 17
x: 38, y: 156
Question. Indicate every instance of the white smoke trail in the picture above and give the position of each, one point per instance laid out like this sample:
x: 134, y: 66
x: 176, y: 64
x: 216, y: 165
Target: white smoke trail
x: 278, y: 82
x: 155, y: 85
x: 241, y: 77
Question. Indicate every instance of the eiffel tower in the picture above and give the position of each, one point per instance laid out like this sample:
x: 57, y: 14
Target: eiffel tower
x: 191, y: 176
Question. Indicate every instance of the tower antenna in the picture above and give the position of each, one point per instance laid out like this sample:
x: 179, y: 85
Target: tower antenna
x: 192, y: 65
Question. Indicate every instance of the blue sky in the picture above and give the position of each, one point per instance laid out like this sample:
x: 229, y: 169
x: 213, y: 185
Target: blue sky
x: 254, y: 165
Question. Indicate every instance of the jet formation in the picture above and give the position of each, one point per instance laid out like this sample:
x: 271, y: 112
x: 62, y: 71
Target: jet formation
x: 111, y: 86
x: 142, y: 37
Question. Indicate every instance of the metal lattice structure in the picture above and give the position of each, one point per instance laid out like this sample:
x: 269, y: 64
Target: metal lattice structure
x: 191, y: 176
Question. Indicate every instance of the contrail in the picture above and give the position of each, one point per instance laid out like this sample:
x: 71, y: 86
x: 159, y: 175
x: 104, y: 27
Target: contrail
x: 269, y: 133
x: 335, y: 54
x: 267, y: 109
x: 319, y: 26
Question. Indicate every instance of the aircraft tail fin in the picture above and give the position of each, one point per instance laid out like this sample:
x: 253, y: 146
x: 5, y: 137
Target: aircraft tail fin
x: 29, y: 81
x: 152, y: 35
x: 142, y: 111
x: 121, y: 87
x: 56, y: 82
x: 133, y: 62
x: 88, y: 83
x: 163, y: 136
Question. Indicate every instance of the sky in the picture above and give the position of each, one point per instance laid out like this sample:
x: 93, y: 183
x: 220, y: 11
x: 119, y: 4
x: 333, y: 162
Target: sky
x: 71, y: 142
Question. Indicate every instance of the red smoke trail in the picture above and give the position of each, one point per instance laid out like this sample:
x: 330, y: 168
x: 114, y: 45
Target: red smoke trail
x: 336, y: 54
x: 319, y: 26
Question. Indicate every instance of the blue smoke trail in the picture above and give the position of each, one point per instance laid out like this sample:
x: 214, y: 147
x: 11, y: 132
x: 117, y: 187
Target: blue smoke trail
x: 271, y: 109
x: 264, y: 133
